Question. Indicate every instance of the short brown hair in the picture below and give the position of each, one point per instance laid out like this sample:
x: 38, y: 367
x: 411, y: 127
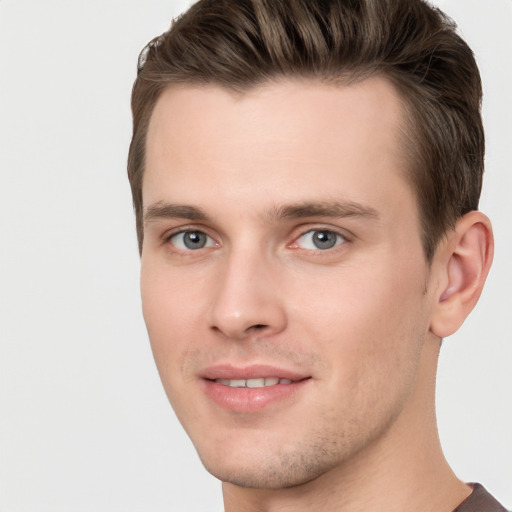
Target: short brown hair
x: 239, y: 44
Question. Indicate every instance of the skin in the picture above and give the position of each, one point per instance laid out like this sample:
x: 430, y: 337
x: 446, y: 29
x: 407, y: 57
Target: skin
x: 361, y: 320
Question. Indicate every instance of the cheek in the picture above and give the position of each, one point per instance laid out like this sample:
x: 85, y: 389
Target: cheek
x: 353, y: 300
x: 171, y: 309
x: 368, y: 320
x: 172, y: 316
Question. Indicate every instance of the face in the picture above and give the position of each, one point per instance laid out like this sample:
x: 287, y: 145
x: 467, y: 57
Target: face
x: 284, y: 284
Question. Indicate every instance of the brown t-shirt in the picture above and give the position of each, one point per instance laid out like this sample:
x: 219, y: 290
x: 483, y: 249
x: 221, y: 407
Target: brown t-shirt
x: 480, y: 501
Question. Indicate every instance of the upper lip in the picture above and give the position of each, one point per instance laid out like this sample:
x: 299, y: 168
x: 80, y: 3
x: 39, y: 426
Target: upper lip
x: 231, y: 372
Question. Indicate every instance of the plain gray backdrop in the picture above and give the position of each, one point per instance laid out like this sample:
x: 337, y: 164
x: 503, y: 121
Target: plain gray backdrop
x: 84, y: 422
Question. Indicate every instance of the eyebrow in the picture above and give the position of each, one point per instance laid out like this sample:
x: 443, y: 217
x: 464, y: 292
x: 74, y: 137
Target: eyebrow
x: 162, y: 210
x: 324, y: 209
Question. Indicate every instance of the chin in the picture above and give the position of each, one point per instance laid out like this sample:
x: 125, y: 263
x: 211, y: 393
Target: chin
x: 270, y: 476
x: 274, y: 469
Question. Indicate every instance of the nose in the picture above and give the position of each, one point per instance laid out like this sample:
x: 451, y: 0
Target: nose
x: 247, y: 300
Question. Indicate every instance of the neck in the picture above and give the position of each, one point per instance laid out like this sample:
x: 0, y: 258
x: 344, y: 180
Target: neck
x: 404, y: 470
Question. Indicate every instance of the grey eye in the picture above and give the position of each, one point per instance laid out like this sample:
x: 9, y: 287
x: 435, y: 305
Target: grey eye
x: 192, y: 240
x: 320, y: 240
x: 324, y: 239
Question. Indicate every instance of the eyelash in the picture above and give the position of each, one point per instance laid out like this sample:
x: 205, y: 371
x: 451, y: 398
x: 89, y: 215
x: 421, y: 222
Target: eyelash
x: 168, y: 239
x: 341, y: 240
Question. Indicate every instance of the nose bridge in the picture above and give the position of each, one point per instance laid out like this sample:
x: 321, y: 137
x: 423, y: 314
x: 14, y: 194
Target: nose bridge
x: 246, y: 295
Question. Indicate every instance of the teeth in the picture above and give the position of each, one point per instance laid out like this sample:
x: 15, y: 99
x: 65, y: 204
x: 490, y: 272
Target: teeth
x: 238, y: 383
x: 253, y: 383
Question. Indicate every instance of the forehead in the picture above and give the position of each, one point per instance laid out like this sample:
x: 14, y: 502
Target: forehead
x: 300, y: 138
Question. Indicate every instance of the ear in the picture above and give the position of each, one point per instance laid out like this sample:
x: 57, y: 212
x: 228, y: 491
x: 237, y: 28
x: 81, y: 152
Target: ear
x: 462, y: 262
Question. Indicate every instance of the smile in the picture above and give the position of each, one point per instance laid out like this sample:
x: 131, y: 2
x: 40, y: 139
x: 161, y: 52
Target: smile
x: 261, y: 382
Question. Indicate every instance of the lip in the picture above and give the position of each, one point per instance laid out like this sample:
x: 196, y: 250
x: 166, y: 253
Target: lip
x: 249, y: 400
x: 227, y: 371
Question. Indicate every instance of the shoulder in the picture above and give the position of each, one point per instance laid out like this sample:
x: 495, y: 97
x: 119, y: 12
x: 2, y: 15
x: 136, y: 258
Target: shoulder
x: 480, y: 501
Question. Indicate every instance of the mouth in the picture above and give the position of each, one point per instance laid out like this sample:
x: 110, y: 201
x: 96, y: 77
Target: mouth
x: 259, y: 382
x: 252, y: 389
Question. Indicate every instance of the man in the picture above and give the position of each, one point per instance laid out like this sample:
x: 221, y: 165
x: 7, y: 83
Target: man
x: 306, y: 177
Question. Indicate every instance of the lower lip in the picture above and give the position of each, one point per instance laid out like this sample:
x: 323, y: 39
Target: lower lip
x: 250, y: 399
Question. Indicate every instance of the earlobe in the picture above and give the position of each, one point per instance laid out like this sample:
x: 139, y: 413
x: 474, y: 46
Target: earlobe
x: 464, y: 262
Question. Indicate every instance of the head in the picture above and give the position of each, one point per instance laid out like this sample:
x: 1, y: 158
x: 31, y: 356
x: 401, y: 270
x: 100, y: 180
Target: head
x: 240, y: 45
x: 304, y: 175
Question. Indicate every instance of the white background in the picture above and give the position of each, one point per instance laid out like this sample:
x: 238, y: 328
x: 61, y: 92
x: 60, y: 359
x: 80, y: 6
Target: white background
x: 84, y: 423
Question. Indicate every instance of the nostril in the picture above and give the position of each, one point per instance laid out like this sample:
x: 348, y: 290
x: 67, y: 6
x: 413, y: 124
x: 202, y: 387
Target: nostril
x: 258, y: 326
